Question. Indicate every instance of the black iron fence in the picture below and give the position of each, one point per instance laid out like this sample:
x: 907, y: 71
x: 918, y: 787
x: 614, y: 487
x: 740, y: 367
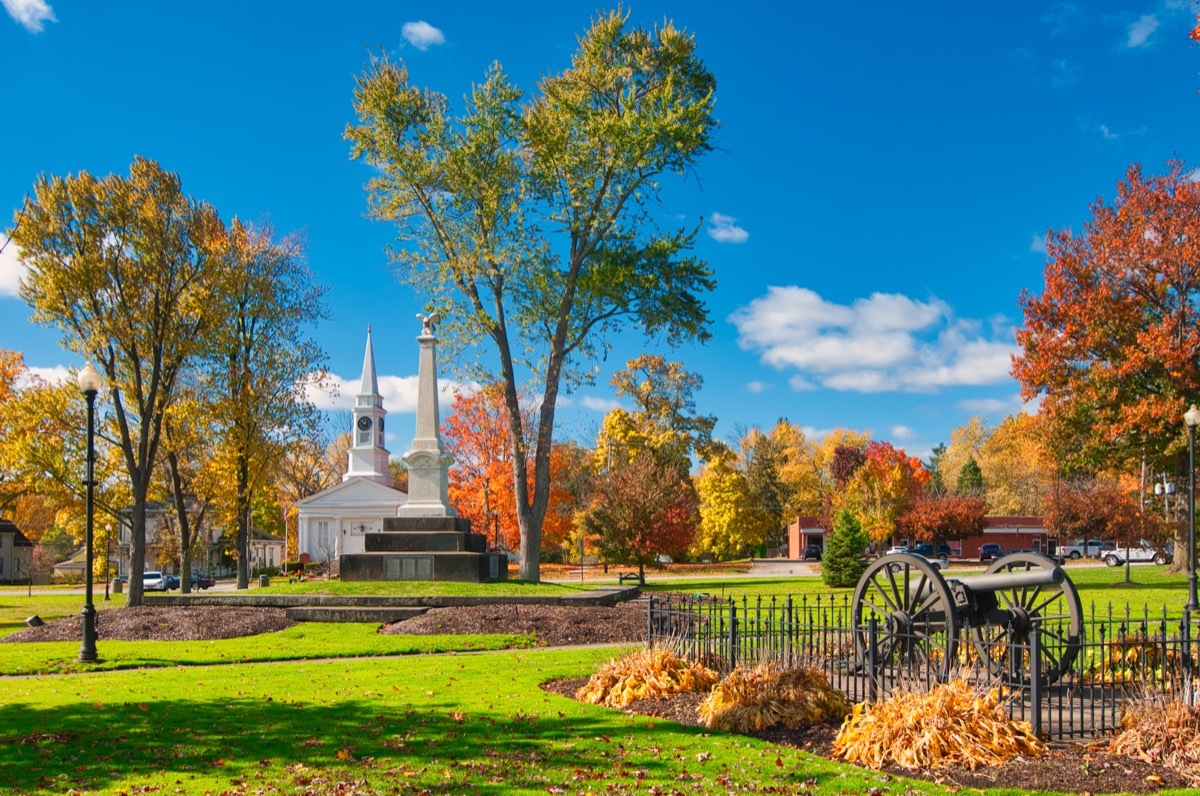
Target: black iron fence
x: 1078, y: 689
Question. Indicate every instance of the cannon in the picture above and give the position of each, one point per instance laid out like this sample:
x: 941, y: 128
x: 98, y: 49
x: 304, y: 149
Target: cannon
x: 920, y: 616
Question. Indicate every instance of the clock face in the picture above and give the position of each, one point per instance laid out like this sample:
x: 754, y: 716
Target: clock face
x: 364, y: 423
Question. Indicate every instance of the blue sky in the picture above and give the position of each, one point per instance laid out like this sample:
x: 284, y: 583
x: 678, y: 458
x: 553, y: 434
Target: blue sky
x: 884, y: 174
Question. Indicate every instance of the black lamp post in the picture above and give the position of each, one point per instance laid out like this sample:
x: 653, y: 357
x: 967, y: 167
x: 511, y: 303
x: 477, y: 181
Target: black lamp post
x: 90, y: 382
x: 1192, y: 418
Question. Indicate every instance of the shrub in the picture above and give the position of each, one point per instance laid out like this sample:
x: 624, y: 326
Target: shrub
x: 951, y: 724
x: 843, y: 560
x: 1163, y: 733
x: 768, y: 695
x: 644, y: 674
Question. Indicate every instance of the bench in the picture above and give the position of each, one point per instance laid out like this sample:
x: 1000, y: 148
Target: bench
x: 629, y: 576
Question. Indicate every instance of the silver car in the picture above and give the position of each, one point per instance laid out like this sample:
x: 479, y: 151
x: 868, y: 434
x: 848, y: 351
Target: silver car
x: 154, y: 581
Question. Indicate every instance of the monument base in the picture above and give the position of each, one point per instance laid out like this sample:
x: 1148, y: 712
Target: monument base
x: 425, y: 548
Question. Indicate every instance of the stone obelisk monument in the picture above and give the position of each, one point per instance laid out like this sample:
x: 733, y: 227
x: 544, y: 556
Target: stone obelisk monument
x: 426, y: 540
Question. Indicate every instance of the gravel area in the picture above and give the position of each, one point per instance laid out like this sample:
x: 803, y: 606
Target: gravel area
x: 153, y: 623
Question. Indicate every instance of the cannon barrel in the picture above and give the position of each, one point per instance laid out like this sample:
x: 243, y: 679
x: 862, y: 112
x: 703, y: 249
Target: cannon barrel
x: 1021, y: 579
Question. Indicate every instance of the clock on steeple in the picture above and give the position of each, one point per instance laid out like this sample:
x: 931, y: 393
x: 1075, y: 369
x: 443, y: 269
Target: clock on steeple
x: 368, y: 457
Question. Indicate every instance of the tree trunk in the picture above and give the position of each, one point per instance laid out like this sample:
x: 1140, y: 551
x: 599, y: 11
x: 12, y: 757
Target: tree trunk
x: 243, y: 514
x: 137, y: 540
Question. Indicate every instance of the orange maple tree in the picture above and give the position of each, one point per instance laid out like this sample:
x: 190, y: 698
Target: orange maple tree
x: 481, y: 479
x: 1113, y: 344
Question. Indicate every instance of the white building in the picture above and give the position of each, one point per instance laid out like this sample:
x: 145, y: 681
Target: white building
x: 333, y: 522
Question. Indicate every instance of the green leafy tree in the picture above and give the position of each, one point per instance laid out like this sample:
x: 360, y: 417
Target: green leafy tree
x: 123, y: 268
x: 844, y: 560
x: 530, y: 224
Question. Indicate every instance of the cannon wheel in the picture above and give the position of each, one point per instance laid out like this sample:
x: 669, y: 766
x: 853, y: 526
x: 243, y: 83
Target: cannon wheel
x: 915, y: 612
x: 1055, y: 609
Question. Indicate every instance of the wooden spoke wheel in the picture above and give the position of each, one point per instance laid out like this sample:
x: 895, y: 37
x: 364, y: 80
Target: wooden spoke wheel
x: 914, y: 612
x: 1054, y: 609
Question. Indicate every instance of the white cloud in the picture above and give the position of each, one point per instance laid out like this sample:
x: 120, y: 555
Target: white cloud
x: 1038, y: 244
x: 1108, y: 135
x: 723, y: 230
x: 599, y: 404
x: 756, y: 387
x: 11, y: 268
x: 399, y: 393
x: 902, y: 432
x: 55, y: 374
x: 30, y: 13
x: 422, y: 35
x: 1141, y: 30
x: 1000, y: 406
x: 883, y: 343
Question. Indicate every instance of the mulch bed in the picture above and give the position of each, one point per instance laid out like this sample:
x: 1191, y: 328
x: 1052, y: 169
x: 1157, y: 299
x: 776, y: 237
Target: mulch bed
x: 1069, y: 768
x: 551, y: 625
x: 153, y: 623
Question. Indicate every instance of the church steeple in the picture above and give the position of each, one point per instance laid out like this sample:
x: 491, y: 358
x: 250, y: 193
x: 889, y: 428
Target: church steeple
x: 368, y: 457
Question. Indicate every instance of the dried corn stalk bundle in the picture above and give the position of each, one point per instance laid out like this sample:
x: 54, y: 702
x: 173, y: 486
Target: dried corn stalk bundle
x: 952, y: 724
x: 768, y: 695
x: 1163, y: 734
x: 644, y: 674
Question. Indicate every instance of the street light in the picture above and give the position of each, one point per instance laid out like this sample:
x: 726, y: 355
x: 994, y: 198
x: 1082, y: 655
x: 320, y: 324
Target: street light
x: 90, y: 382
x: 1192, y: 418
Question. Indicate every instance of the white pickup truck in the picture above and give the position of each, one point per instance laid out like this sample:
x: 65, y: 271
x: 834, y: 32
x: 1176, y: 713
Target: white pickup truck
x: 1141, y: 552
x: 1093, y: 548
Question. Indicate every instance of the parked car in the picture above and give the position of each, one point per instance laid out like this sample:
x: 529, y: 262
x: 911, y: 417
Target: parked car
x: 990, y: 552
x: 1081, y: 549
x: 812, y: 552
x: 933, y: 562
x: 943, y: 551
x: 897, y: 549
x: 1141, y: 552
x: 201, y: 581
x: 154, y: 581
x: 172, y: 581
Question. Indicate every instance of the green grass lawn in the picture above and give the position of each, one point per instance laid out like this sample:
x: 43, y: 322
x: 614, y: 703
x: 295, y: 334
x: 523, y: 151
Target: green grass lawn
x: 447, y: 724
x: 16, y: 607
x: 1098, y: 586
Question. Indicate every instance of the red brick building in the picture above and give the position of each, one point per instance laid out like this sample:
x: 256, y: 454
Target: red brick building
x: 1011, y: 533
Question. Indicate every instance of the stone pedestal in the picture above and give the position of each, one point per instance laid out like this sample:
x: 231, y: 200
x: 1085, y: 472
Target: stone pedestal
x: 425, y: 548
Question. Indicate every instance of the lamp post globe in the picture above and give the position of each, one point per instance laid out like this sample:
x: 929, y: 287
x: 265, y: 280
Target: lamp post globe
x: 1192, y: 419
x: 90, y: 383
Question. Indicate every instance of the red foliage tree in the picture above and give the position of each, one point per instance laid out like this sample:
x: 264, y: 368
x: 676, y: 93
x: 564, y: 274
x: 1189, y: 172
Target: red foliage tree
x: 1113, y: 344
x: 640, y: 511
x: 481, y: 480
x: 939, y: 518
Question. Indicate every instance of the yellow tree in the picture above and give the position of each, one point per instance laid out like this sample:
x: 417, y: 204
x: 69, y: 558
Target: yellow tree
x: 1019, y: 471
x: 259, y: 364
x: 731, y: 521
x: 882, y: 488
x: 966, y: 443
x: 123, y: 267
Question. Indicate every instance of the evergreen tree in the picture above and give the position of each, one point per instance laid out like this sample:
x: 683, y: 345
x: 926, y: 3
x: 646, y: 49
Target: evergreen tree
x: 843, y: 561
x: 970, y: 479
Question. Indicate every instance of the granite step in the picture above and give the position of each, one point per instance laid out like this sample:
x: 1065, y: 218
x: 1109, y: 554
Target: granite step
x: 352, y: 613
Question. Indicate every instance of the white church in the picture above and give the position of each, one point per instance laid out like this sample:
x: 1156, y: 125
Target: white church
x: 333, y: 522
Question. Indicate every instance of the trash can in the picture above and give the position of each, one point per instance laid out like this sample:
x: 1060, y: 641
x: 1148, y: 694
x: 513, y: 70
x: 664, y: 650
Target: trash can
x: 264, y: 581
x: 118, y: 586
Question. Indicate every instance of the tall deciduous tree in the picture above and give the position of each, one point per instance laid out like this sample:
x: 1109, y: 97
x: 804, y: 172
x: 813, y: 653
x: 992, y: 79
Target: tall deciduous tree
x: 260, y: 363
x: 1113, y: 344
x: 1019, y: 471
x: 123, y: 267
x: 531, y: 224
x: 881, y: 489
x: 938, y: 518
